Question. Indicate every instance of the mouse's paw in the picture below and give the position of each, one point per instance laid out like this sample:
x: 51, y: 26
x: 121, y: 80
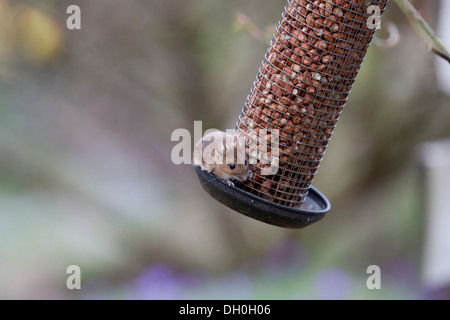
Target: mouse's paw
x: 230, y: 183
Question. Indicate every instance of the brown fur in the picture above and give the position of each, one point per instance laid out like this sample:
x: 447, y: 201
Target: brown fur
x: 213, y: 152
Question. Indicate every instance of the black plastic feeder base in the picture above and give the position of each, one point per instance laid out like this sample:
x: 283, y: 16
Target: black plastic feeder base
x: 314, y: 208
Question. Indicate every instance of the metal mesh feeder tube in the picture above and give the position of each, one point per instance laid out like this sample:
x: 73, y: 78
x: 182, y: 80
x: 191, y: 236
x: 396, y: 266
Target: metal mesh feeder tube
x: 298, y: 95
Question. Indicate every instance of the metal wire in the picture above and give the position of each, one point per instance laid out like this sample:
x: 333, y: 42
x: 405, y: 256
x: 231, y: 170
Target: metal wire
x: 301, y: 89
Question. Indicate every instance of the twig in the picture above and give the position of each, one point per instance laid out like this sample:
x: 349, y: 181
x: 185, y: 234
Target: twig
x: 244, y: 22
x: 422, y: 27
x: 440, y: 54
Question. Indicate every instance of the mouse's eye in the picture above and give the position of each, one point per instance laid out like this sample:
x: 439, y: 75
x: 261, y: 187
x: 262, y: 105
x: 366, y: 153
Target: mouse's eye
x: 232, y: 166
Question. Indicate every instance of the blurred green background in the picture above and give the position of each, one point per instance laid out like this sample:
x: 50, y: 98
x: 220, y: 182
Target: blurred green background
x: 86, y: 177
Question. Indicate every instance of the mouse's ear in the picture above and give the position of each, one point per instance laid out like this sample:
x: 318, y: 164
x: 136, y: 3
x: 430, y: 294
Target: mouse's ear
x: 219, y: 146
x: 241, y: 155
x: 241, y: 141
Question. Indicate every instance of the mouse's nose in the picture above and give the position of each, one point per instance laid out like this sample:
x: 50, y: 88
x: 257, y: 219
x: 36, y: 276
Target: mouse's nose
x: 245, y: 176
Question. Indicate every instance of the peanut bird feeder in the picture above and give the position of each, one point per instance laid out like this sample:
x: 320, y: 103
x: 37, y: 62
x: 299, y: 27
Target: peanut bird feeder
x: 299, y: 92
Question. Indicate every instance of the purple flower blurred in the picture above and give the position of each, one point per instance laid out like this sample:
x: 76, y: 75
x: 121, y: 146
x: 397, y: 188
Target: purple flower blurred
x: 158, y: 282
x: 332, y: 284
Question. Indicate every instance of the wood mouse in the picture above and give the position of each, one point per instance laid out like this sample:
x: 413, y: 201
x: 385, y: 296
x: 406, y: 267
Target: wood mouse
x: 224, y: 155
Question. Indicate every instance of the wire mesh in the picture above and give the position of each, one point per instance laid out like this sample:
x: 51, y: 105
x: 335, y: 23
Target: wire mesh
x: 300, y: 90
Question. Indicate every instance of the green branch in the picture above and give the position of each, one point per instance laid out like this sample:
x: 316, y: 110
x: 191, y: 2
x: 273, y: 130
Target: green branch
x: 423, y: 28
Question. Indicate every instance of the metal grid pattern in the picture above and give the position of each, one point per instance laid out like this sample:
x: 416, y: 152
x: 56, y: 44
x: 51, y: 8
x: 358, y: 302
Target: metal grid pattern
x: 300, y: 90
